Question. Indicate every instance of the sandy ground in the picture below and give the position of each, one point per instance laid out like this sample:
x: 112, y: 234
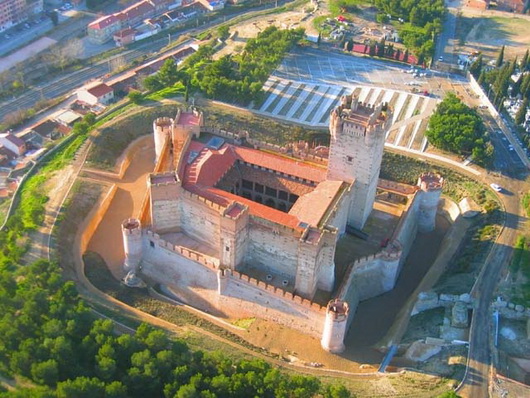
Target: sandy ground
x: 126, y: 202
x: 487, y: 31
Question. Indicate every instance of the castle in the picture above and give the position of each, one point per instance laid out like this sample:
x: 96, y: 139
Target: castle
x: 251, y: 232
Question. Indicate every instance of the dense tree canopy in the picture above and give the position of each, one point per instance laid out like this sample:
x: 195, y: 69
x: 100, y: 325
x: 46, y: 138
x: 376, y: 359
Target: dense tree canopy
x: 423, y: 20
x: 459, y: 129
x: 232, y: 78
x: 50, y: 336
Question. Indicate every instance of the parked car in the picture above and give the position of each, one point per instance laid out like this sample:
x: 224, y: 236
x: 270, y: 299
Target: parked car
x: 496, y: 187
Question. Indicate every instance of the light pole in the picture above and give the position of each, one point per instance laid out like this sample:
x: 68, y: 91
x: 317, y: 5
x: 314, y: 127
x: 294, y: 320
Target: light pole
x: 168, y: 39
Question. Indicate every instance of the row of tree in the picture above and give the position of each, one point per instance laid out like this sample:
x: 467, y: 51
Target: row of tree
x: 49, y: 335
x: 457, y: 128
x: 423, y: 21
x: 233, y: 78
x: 498, y: 81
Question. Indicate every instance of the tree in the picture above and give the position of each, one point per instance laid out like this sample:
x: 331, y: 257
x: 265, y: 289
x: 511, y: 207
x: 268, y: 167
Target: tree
x: 135, y: 96
x: 151, y: 83
x: 349, y: 45
x: 459, y: 129
x: 223, y: 32
x: 381, y: 48
x: 46, y: 372
x: 500, y: 58
x: 476, y: 67
x: 406, y: 56
x: 89, y: 118
x: 81, y: 387
x: 524, y: 61
x: 372, y: 48
x: 54, y: 16
x: 520, y: 116
x: 168, y: 73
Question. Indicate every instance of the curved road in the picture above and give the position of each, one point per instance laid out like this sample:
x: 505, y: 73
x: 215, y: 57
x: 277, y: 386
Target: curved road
x: 476, y: 381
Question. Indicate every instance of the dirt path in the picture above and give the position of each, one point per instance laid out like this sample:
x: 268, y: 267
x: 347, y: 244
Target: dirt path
x: 59, y: 186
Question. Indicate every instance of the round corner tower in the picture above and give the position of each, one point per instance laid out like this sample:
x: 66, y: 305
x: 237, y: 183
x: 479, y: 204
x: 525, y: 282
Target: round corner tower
x: 431, y: 186
x: 132, y: 244
x: 358, y: 134
x: 335, y: 326
x: 162, y: 129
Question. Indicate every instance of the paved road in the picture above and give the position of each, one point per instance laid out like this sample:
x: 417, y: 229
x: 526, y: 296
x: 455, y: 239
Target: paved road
x: 447, y: 38
x: 475, y: 384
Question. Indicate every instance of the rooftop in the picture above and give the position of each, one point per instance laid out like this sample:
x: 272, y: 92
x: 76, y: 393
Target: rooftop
x: 311, y: 208
x: 206, y: 168
x: 99, y: 90
x: 189, y: 119
x: 104, y: 22
x: 13, y: 139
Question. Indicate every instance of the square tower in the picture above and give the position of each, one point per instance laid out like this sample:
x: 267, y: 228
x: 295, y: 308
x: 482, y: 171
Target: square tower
x: 358, y: 134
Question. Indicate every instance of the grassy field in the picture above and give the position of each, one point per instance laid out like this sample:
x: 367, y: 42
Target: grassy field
x: 111, y: 138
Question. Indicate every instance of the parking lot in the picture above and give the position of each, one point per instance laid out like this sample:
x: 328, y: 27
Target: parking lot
x: 309, y: 83
x: 315, y: 66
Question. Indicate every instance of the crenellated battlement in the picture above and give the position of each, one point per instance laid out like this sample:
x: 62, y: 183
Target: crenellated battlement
x: 162, y: 179
x: 201, y: 258
x: 430, y: 182
x: 202, y: 199
x: 273, y: 290
x: 131, y: 226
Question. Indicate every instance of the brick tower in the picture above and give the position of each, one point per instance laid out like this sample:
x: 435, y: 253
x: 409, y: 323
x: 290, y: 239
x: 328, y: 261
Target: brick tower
x: 357, y: 139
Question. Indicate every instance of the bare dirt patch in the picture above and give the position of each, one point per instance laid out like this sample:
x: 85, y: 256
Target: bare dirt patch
x: 488, y: 31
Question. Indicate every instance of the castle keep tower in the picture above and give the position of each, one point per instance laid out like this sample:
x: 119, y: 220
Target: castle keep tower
x: 431, y: 189
x: 357, y: 140
x: 335, y: 326
x: 132, y: 244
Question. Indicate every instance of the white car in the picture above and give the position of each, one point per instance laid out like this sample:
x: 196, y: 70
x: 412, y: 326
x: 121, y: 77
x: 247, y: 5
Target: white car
x: 496, y: 187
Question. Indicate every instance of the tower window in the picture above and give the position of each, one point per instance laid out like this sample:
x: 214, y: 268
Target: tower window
x: 349, y: 159
x: 227, y: 248
x: 151, y: 243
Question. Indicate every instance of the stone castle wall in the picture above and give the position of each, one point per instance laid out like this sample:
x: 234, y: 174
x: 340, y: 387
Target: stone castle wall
x: 265, y: 243
x: 195, y: 279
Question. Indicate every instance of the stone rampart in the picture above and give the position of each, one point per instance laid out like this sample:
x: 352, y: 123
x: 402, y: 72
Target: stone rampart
x: 407, y: 228
x: 199, y: 198
x: 430, y: 300
x: 196, y: 282
x: 449, y: 209
x: 246, y: 296
x: 193, y: 255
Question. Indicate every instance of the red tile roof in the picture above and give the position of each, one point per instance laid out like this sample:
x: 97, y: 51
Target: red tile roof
x: 104, y: 22
x: 188, y: 119
x: 282, y: 164
x: 142, y: 9
x: 124, y: 33
x: 255, y: 209
x: 14, y: 140
x: 210, y: 165
x: 100, y: 90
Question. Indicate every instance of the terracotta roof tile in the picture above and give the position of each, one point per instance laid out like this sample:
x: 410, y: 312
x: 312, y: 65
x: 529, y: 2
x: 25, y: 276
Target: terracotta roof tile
x: 14, y: 140
x: 282, y: 164
x: 104, y: 22
x: 100, y: 90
